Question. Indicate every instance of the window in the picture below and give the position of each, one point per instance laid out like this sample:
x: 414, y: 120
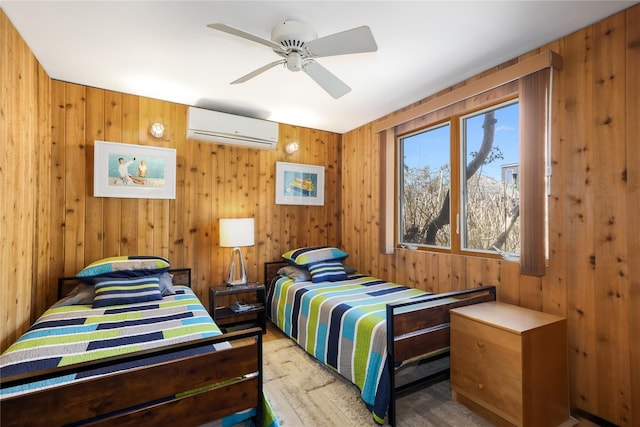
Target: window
x: 425, y: 184
x: 490, y: 180
x: 530, y: 80
x: 480, y: 210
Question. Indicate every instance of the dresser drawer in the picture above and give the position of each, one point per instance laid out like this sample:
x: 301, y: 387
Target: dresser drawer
x: 490, y: 346
x: 499, y: 393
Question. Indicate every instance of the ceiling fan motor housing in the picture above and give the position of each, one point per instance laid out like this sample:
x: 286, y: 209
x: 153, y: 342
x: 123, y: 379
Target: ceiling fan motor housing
x: 293, y: 34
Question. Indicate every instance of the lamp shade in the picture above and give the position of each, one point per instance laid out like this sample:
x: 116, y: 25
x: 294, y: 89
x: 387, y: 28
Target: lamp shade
x: 236, y: 232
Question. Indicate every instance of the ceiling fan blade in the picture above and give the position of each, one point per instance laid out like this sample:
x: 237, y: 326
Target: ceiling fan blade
x: 257, y: 72
x: 327, y: 80
x: 236, y: 32
x: 356, y: 40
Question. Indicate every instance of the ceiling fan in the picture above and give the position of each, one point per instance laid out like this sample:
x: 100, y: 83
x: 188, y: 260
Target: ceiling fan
x: 298, y: 43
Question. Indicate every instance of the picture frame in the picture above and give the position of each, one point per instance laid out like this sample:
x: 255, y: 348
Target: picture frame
x: 299, y: 184
x: 133, y: 171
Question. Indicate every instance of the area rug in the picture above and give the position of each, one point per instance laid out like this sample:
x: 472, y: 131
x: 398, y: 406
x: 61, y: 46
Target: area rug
x: 304, y: 393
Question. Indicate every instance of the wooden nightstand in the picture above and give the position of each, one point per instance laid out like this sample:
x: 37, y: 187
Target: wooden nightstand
x: 510, y: 364
x: 222, y: 298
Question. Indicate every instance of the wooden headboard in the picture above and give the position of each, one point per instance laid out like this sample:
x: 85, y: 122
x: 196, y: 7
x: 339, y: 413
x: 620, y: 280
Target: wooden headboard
x: 181, y: 276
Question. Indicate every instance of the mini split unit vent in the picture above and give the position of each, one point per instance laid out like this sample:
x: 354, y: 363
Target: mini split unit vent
x: 223, y: 128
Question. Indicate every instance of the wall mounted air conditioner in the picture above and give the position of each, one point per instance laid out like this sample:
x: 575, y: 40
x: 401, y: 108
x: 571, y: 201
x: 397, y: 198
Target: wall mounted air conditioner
x: 223, y: 128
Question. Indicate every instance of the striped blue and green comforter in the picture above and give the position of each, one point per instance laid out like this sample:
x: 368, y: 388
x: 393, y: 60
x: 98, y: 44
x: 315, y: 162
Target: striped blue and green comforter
x: 343, y: 325
x: 67, y: 335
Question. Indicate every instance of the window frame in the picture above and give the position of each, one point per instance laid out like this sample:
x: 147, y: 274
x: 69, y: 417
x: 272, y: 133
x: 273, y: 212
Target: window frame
x: 462, y: 142
x: 400, y: 184
x: 452, y: 115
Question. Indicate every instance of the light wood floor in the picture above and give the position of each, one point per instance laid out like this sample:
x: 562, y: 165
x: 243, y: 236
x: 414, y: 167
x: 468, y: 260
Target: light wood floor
x: 273, y: 333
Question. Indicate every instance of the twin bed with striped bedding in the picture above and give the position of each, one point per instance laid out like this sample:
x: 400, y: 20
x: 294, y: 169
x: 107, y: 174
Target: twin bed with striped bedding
x: 131, y: 350
x: 74, y: 334
x: 361, y: 327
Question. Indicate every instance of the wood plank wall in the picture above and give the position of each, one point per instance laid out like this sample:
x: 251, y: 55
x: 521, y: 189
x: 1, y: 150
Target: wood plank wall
x: 24, y: 182
x: 593, y: 273
x: 213, y: 181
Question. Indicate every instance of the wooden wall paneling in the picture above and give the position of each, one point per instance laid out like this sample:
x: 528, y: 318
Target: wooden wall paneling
x: 363, y: 207
x: 425, y: 266
x: 129, y: 209
x: 577, y: 214
x: 633, y: 201
x: 509, y: 282
x: 161, y: 244
x: 9, y: 307
x: 43, y: 218
x: 349, y: 225
x: 246, y: 169
x: 112, y: 206
x: 445, y: 272
x: 482, y: 272
x: 94, y: 216
x: 221, y: 256
x: 177, y: 133
x: 57, y: 196
x: 371, y: 213
x: 74, y: 178
x: 189, y: 204
x: 153, y: 217
x: 278, y: 223
x: 280, y: 220
x: 404, y: 273
x: 311, y: 229
x: 251, y: 196
x: 458, y: 272
x: 204, y: 214
x: 530, y: 288
x: 431, y: 283
x: 610, y: 169
x: 146, y: 207
x: 334, y: 210
x: 19, y: 125
x: 264, y: 208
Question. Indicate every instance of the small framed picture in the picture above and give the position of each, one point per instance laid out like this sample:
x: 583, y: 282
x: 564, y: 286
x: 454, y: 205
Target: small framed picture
x: 133, y: 171
x: 298, y: 184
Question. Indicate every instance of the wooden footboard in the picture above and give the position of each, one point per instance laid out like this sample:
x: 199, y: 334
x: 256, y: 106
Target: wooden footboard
x: 207, y: 387
x: 419, y: 328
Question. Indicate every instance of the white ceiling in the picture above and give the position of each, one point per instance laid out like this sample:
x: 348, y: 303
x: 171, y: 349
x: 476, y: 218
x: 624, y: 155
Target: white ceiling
x: 164, y: 50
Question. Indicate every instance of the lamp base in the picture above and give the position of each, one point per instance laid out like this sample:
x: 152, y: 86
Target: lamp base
x: 237, y: 274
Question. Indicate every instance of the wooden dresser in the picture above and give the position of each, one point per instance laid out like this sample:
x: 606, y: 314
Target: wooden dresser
x: 509, y: 364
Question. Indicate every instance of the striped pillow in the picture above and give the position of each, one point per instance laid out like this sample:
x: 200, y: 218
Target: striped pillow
x: 327, y: 271
x: 125, y: 266
x: 305, y: 256
x: 119, y: 291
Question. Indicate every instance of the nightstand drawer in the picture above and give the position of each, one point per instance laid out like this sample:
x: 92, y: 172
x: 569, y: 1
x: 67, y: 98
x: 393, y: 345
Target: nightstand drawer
x: 479, y: 343
x: 500, y: 393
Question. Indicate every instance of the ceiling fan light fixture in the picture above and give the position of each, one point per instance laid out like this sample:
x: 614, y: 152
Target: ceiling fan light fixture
x: 294, y: 61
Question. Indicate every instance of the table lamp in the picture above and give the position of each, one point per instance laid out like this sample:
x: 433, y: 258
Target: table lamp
x: 235, y: 233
